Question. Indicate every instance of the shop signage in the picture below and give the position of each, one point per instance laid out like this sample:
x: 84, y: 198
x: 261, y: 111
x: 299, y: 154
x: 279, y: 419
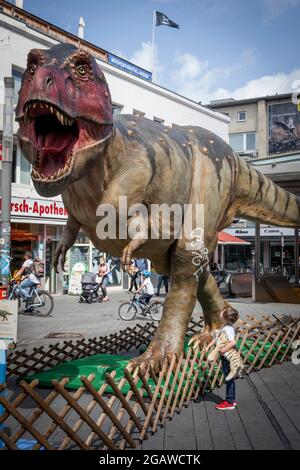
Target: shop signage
x: 37, y: 208
x: 8, y: 321
x: 128, y: 67
x: 264, y: 232
x: 75, y: 280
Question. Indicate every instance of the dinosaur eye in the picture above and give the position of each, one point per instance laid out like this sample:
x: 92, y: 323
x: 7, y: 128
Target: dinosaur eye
x: 82, y: 70
x: 32, y: 69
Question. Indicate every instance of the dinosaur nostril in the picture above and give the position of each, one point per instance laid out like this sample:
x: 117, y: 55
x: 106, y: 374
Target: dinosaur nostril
x: 49, y: 82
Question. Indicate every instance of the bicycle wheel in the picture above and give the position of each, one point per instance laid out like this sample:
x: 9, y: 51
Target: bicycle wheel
x: 127, y: 311
x: 47, y: 304
x: 155, y: 310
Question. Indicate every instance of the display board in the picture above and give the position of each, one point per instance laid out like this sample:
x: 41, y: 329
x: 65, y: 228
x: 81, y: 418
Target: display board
x: 284, y: 128
x: 8, y: 321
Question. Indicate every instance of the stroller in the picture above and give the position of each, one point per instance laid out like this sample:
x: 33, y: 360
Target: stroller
x: 90, y: 288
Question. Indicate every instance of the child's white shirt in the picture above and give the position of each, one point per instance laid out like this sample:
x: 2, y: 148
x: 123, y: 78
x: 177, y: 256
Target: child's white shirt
x: 148, y: 287
x: 229, y: 332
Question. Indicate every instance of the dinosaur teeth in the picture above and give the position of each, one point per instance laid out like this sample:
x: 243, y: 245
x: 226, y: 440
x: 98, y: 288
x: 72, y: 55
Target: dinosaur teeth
x: 59, y: 174
x: 63, y: 118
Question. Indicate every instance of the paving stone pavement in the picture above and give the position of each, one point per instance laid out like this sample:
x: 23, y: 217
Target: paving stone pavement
x: 69, y: 316
x: 267, y: 415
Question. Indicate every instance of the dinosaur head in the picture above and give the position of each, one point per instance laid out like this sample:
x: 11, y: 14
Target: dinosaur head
x: 64, y: 113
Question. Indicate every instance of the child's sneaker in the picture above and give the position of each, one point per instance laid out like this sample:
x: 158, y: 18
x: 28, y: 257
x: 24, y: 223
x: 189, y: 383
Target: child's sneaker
x: 225, y: 405
x: 234, y: 403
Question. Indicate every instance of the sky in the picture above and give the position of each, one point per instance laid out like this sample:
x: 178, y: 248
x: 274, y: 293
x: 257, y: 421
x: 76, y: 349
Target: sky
x: 223, y: 49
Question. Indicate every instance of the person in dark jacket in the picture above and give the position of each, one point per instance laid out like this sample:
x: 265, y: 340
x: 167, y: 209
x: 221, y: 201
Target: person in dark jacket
x: 162, y: 280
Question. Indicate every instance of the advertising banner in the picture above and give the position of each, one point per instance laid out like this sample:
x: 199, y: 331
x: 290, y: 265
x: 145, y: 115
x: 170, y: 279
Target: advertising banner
x: 284, y: 128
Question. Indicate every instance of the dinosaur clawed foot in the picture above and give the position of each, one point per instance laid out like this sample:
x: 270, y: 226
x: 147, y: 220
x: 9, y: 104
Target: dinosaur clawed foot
x: 200, y: 339
x: 154, y: 357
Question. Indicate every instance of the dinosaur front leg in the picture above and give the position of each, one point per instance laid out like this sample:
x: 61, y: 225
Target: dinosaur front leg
x: 128, y: 251
x: 178, y: 308
x: 212, y: 304
x: 68, y: 239
x: 137, y: 231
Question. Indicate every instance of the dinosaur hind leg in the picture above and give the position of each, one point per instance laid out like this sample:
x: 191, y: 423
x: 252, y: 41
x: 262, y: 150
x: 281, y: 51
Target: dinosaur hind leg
x: 177, y: 311
x: 212, y: 304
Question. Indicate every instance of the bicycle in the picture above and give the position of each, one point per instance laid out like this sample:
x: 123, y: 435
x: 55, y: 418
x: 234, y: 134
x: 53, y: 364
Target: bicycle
x: 39, y: 301
x: 128, y: 310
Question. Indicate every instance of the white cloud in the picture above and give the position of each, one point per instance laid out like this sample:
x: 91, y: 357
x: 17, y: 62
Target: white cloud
x: 194, y: 79
x: 266, y: 85
x: 278, y: 7
x: 189, y: 66
x: 143, y: 58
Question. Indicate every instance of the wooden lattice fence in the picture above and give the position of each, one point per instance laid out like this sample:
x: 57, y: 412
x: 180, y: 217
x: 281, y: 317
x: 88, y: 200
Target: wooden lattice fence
x: 120, y: 413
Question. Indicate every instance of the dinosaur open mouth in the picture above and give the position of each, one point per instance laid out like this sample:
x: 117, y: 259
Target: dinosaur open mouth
x: 56, y: 137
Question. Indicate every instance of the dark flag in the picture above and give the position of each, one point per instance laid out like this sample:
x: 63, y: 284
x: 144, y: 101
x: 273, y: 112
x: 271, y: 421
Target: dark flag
x: 162, y: 19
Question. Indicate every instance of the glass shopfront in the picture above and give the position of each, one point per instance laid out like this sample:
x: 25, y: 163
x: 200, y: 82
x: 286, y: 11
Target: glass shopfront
x: 41, y: 240
x: 84, y: 257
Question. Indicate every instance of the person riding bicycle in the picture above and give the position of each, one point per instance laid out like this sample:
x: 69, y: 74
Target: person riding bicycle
x: 146, y: 287
x: 31, y: 278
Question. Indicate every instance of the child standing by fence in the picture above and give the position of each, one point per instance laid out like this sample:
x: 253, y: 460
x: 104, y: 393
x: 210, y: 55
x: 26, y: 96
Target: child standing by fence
x: 232, y: 363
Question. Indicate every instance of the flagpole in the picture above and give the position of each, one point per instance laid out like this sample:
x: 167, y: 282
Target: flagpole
x: 153, y: 29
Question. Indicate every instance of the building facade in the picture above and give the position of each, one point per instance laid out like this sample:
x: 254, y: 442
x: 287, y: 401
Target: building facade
x: 266, y: 132
x: 37, y: 223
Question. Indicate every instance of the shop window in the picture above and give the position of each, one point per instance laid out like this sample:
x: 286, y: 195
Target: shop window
x: 24, y: 170
x: 14, y: 160
x: 241, y: 116
x: 243, y: 142
x: 250, y: 142
x: 236, y: 141
x: 138, y: 113
x: 160, y: 121
x: 17, y: 75
x: 117, y: 108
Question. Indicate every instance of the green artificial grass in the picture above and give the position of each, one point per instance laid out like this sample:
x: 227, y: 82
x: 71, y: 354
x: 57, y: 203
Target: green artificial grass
x: 101, y: 364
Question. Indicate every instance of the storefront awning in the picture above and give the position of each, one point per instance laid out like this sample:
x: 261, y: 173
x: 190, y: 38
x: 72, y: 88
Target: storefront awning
x: 226, y: 239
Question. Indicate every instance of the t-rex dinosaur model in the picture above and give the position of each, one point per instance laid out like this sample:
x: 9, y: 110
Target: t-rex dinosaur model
x: 77, y: 149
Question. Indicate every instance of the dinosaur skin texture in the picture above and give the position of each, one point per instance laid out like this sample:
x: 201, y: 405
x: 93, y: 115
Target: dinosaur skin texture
x: 77, y: 149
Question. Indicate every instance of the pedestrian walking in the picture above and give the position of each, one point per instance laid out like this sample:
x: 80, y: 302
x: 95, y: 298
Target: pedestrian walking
x: 104, y: 272
x: 162, y: 280
x: 133, y: 276
x: 142, y: 264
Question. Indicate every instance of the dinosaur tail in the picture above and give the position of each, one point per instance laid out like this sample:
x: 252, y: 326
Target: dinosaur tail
x: 259, y: 198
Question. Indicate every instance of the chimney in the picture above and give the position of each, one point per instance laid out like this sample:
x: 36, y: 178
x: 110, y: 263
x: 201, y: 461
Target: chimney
x: 81, y: 28
x: 19, y: 3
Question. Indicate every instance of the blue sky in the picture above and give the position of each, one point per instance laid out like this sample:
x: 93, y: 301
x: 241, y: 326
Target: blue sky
x: 224, y: 48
